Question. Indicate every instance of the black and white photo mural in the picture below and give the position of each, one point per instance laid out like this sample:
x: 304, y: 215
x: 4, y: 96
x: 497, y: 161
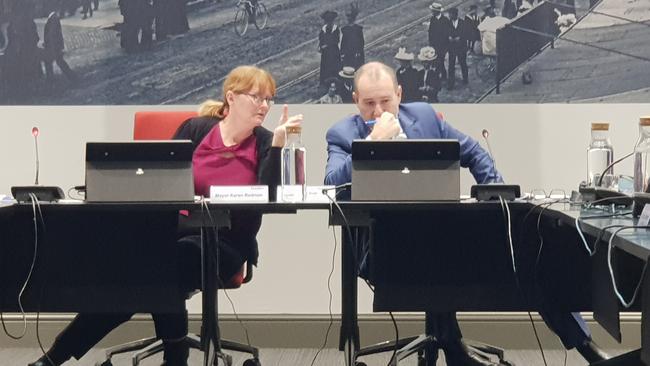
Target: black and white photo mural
x: 154, y: 52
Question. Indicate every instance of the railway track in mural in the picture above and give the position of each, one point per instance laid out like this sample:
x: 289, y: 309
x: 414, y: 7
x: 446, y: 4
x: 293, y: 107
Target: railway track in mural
x: 191, y: 68
x: 291, y: 89
x: 302, y: 88
x: 276, y: 62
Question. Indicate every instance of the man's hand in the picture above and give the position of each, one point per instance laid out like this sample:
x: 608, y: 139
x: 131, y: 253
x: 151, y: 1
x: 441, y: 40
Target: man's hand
x: 386, y: 127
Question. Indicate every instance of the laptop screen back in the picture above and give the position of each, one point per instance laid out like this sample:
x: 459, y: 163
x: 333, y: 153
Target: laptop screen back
x: 139, y: 171
x: 406, y: 170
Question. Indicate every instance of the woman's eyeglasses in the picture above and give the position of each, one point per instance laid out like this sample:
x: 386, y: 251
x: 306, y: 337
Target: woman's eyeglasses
x: 258, y: 100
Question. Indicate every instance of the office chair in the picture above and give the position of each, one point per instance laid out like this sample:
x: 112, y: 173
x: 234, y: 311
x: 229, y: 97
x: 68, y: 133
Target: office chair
x: 161, y: 125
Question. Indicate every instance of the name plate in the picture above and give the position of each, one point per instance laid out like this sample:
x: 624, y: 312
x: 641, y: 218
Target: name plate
x: 294, y: 193
x: 239, y: 194
x: 315, y: 194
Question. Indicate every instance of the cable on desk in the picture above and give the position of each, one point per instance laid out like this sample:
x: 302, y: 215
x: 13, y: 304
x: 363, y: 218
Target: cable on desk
x: 78, y: 189
x: 611, y: 269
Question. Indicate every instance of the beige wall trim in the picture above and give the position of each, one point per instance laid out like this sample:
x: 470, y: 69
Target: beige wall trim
x: 508, y: 330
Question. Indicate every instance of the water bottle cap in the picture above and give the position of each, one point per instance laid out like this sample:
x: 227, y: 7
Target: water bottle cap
x: 600, y: 126
x: 644, y: 121
x: 294, y: 129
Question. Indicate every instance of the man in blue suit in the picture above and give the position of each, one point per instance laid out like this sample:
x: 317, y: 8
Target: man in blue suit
x: 382, y: 116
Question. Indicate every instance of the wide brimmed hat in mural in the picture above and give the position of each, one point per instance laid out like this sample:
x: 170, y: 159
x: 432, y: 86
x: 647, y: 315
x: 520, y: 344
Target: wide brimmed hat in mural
x: 427, y: 54
x: 329, y: 15
x: 435, y: 7
x: 403, y: 55
x: 347, y: 72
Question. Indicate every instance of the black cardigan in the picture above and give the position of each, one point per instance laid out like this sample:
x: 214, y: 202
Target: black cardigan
x: 244, y: 224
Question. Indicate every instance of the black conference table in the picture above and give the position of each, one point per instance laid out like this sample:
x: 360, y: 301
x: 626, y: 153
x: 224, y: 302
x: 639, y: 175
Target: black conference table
x: 107, y: 257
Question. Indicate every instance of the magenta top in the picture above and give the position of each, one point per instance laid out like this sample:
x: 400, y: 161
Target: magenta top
x: 217, y: 165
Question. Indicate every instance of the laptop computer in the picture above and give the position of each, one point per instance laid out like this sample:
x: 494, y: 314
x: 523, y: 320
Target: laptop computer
x: 139, y: 171
x: 406, y: 170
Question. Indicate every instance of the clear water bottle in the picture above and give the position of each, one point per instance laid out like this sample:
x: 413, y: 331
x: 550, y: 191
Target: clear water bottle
x: 641, y: 156
x: 599, y: 155
x: 294, y: 167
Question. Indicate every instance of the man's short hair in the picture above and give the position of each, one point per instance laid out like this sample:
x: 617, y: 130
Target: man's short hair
x: 374, y: 70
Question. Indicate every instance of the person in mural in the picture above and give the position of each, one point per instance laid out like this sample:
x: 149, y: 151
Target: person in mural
x: 86, y: 9
x: 428, y: 77
x: 22, y: 55
x: 347, y: 83
x: 328, y: 46
x: 129, y: 28
x: 331, y: 97
x: 177, y: 17
x: 53, y: 46
x: 136, y: 31
x: 509, y: 9
x: 407, y: 76
x: 352, y: 42
x: 170, y: 18
x: 458, y: 36
x: 439, y: 37
x: 472, y: 20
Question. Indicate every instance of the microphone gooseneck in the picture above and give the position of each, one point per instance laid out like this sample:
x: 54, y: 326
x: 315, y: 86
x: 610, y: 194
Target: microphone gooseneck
x: 35, y: 134
x: 485, y: 135
x: 600, y: 180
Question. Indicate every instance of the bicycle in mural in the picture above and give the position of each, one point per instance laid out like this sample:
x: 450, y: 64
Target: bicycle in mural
x: 250, y: 12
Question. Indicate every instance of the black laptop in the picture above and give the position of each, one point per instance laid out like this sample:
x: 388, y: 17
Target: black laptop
x: 406, y: 170
x: 139, y: 171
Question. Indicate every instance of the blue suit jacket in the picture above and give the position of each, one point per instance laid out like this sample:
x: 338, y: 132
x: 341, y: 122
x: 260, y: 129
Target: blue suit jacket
x: 419, y: 121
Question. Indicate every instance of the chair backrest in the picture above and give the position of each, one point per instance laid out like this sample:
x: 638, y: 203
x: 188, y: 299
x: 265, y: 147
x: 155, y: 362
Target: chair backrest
x: 158, y: 125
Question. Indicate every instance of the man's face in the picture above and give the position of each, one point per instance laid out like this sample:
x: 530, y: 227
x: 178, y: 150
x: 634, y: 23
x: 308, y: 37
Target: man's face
x: 453, y: 15
x: 376, y: 96
x: 332, y: 90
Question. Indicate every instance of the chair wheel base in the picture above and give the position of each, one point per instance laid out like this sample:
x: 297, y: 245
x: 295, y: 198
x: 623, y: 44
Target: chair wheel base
x: 105, y: 363
x: 252, y: 362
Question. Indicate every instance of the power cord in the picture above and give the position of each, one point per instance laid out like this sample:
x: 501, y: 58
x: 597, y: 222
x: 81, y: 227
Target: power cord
x: 543, y: 206
x: 34, y: 202
x: 329, y: 290
x: 40, y: 299
x: 355, y: 258
x: 37, y: 216
x: 205, y: 209
x: 611, y: 269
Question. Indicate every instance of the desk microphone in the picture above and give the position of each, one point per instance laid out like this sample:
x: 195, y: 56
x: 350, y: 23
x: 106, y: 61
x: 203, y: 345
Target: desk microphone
x: 494, y: 191
x: 486, y: 134
x: 43, y: 193
x: 38, y: 166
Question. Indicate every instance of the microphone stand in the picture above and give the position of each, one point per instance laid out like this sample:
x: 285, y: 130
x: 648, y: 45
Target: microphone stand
x: 42, y: 193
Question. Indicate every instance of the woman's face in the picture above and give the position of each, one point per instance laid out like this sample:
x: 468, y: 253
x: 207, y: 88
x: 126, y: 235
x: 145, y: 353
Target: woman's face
x: 250, y: 107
